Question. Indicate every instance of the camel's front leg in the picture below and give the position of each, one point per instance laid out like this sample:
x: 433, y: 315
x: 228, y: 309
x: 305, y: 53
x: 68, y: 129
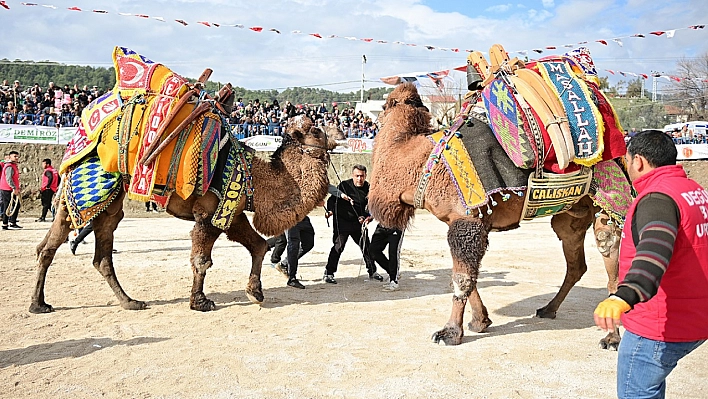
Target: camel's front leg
x: 46, y: 250
x: 104, y: 225
x: 607, y: 238
x: 468, y: 240
x: 204, y: 236
x: 242, y: 232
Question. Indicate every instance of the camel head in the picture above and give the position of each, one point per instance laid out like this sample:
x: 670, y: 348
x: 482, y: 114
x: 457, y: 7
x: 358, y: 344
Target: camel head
x: 404, y: 112
x: 312, y: 139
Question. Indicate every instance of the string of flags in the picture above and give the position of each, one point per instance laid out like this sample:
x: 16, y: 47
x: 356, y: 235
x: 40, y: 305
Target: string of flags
x: 669, y: 33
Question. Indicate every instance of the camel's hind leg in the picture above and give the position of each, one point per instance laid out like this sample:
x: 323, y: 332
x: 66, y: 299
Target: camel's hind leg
x: 242, y: 232
x: 607, y: 238
x: 468, y: 240
x: 570, y: 227
x: 104, y: 225
x: 46, y: 250
x: 204, y: 236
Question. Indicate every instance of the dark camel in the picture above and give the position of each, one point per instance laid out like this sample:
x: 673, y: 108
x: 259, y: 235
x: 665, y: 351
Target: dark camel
x: 286, y: 189
x: 400, y: 152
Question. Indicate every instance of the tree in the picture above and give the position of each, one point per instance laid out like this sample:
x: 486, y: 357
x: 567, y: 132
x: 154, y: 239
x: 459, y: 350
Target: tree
x: 640, y: 113
x: 690, y: 91
x: 634, y: 88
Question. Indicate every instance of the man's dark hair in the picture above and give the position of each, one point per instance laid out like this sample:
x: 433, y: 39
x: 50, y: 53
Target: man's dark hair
x: 47, y: 161
x: 359, y: 167
x: 654, y: 145
x: 13, y: 153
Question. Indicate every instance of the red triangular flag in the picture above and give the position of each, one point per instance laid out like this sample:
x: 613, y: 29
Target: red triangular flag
x: 317, y: 35
x: 72, y: 8
x: 5, y: 6
x: 657, y: 33
x: 602, y: 41
x: 456, y: 50
x: 551, y: 47
x: 610, y: 71
x: 367, y: 40
x: 204, y: 23
x: 256, y: 28
x: 644, y: 75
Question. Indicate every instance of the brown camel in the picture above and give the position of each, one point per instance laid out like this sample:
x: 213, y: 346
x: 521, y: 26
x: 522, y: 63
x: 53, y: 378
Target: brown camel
x: 286, y: 189
x: 400, y: 152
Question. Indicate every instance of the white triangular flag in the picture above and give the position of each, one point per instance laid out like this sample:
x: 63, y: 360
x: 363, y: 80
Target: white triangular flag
x: 670, y: 33
x: 618, y: 41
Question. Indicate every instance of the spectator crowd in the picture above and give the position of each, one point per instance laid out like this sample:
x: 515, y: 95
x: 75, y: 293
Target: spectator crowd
x: 53, y: 106
x: 58, y: 106
x: 254, y: 118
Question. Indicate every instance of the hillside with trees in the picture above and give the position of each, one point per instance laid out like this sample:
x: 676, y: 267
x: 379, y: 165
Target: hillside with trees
x: 29, y: 72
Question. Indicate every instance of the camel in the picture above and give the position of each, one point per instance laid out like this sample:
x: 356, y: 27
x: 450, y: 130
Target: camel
x: 286, y: 189
x: 401, y: 150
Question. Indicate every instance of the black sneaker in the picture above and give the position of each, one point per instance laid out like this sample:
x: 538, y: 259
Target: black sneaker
x: 293, y: 282
x: 15, y: 226
x: 376, y: 277
x: 5, y: 227
x: 329, y: 278
x: 40, y: 220
x: 72, y: 246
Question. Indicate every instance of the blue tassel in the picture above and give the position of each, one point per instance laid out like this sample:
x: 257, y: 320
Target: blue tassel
x: 520, y: 193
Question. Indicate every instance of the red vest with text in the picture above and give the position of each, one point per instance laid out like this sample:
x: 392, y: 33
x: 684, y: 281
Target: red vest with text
x: 55, y: 179
x: 679, y: 310
x: 15, y: 176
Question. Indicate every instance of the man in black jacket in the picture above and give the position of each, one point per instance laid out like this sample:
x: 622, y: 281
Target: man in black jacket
x: 349, y: 218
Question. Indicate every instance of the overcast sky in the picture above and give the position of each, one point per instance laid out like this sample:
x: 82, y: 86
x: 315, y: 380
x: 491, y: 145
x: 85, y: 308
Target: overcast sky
x: 268, y: 60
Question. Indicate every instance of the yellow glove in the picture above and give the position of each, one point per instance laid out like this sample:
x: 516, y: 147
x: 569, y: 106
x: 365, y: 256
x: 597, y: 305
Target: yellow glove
x: 607, y: 314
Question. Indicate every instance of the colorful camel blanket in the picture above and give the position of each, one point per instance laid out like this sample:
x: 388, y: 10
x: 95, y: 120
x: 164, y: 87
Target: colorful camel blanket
x: 117, y: 128
x: 510, y: 124
x: 88, y: 190
x: 122, y: 124
x: 479, y: 166
x: 585, y: 121
x: 610, y: 189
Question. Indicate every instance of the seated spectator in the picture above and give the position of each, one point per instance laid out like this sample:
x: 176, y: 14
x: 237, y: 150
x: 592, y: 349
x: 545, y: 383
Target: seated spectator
x: 26, y: 117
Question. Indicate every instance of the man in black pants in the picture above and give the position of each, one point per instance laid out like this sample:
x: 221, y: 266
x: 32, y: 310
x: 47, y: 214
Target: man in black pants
x: 300, y: 240
x: 393, y: 238
x: 348, y: 220
x: 50, y: 183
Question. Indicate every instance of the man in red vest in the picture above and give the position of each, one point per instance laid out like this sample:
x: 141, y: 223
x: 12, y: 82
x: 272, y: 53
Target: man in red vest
x: 662, y: 299
x: 9, y: 185
x: 50, y: 181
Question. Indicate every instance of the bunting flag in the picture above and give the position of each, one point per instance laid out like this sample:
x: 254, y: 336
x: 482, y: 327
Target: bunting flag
x: 669, y: 33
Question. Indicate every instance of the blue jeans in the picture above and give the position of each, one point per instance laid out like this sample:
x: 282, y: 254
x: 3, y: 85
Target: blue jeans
x: 643, y: 365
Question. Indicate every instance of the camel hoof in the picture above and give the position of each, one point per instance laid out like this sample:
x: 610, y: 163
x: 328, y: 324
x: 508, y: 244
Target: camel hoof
x: 611, y: 341
x: 134, y: 305
x: 479, y: 326
x: 201, y: 303
x: 545, y: 314
x: 38, y: 309
x: 449, y: 335
x: 255, y: 297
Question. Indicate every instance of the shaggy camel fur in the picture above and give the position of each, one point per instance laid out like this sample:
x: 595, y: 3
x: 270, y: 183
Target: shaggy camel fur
x: 400, y: 152
x: 286, y: 189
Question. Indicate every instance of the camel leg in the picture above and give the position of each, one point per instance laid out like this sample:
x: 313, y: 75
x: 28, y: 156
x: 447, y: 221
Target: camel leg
x: 46, y: 250
x: 480, y: 317
x: 607, y: 238
x: 468, y: 240
x: 571, y: 230
x: 242, y: 232
x: 204, y: 236
x: 104, y: 225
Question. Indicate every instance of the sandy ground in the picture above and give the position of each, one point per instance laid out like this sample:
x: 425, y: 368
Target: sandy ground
x: 350, y: 340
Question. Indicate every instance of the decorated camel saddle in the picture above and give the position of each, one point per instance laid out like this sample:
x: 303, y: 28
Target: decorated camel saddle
x: 555, y: 126
x: 154, y: 134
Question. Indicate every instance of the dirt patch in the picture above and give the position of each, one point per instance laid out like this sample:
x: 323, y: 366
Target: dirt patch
x: 350, y: 340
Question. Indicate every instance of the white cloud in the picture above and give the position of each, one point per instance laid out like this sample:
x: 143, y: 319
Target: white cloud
x: 499, y: 8
x: 268, y: 60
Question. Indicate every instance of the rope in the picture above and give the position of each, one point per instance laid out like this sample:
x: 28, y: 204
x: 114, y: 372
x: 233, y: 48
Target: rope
x: 13, y: 205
